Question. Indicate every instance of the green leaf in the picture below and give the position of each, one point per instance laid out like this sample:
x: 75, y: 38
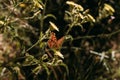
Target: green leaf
x: 37, y: 69
x: 48, y: 16
x: 66, y: 67
x: 44, y: 57
x: 80, y: 25
x: 68, y: 13
x: 68, y: 37
x: 46, y: 68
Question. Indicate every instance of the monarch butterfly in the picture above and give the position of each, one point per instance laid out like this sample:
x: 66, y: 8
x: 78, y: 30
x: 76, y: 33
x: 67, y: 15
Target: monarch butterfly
x: 53, y: 42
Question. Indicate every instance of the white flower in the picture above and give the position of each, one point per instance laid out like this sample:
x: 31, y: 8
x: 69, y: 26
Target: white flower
x: 75, y: 5
x: 58, y: 53
x: 53, y: 26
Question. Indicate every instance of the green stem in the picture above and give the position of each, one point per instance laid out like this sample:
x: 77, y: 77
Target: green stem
x: 113, y: 33
x: 98, y: 36
x: 41, y: 37
x: 39, y: 41
x: 69, y: 29
x: 33, y: 46
x: 42, y: 18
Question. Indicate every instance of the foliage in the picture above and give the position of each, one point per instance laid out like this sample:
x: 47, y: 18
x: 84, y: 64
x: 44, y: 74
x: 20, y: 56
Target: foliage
x: 70, y: 40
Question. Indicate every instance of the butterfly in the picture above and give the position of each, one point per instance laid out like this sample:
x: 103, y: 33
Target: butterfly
x: 53, y: 42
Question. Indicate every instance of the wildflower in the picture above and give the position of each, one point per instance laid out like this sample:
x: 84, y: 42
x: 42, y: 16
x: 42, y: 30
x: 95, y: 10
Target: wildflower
x: 108, y: 8
x: 58, y: 53
x: 1, y: 22
x: 75, y: 5
x: 91, y: 18
x: 53, y: 26
x: 22, y: 5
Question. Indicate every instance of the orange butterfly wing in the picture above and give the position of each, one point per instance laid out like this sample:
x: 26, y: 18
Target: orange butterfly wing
x: 53, y: 42
x: 60, y: 42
